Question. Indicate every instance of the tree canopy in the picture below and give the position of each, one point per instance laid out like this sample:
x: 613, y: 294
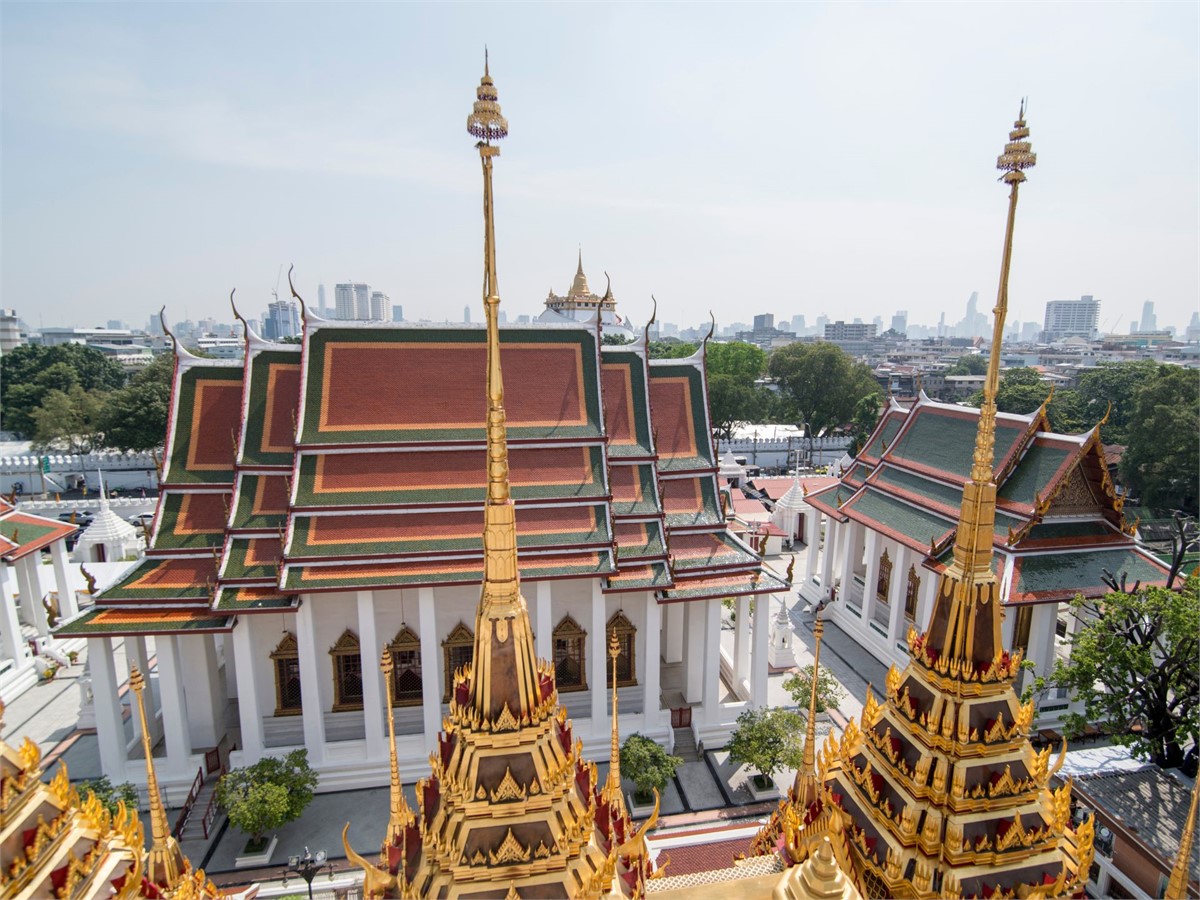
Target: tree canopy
x: 1022, y: 391
x: 1133, y: 663
x: 822, y: 382
x: 1162, y: 456
x: 135, y: 417
x: 29, y: 373
x: 974, y: 364
x: 1116, y: 383
x: 671, y: 348
x: 768, y: 739
x: 647, y: 764
x: 733, y: 396
x: 270, y: 793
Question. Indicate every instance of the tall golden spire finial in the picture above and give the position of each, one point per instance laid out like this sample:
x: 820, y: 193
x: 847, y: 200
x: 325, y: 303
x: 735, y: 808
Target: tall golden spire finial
x: 964, y: 628
x: 613, y: 786
x: 399, y: 815
x: 1181, y: 871
x: 504, y: 683
x: 806, y: 787
x: 164, y: 862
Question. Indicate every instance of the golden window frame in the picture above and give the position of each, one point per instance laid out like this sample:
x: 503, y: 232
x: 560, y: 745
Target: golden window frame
x: 570, y: 632
x: 459, y: 637
x: 883, y: 580
x: 287, y: 650
x: 346, y: 648
x: 912, y: 594
x: 406, y: 641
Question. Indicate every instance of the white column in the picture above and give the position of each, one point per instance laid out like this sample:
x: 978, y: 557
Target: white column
x: 598, y: 658
x: 896, y: 591
x: 31, y: 598
x: 110, y: 731
x: 372, y: 679
x: 712, y: 668
x: 202, y: 685
x: 813, y: 523
x: 11, y: 644
x: 311, y: 672
x: 544, y: 627
x: 871, y: 576
x: 431, y: 664
x: 928, y: 593
x: 174, y: 702
x: 849, y: 545
x: 652, y: 656
x: 67, y: 607
x: 833, y: 536
x: 1042, y: 631
x: 758, y: 671
x: 249, y: 713
x: 741, y: 641
x: 673, y: 638
x: 693, y: 652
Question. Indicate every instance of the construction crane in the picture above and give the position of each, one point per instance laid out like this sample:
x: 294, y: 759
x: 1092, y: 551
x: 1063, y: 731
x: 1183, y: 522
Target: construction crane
x: 278, y: 276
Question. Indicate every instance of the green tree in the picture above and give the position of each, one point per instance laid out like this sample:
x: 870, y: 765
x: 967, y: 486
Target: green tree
x: 648, y: 765
x: 671, y: 348
x: 68, y: 420
x: 863, y: 422
x: 615, y: 338
x: 109, y: 794
x: 743, y: 362
x: 768, y: 739
x: 975, y: 364
x: 1133, y: 662
x: 822, y: 382
x: 268, y: 794
x: 799, y: 685
x: 731, y: 402
x: 29, y: 373
x: 1162, y: 456
x: 135, y: 417
x: 1022, y: 391
x: 1116, y: 383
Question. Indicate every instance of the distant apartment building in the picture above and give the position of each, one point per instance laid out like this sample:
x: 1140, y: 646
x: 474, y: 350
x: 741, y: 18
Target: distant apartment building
x: 282, y: 320
x: 1149, y: 319
x: 10, y: 331
x: 1071, y: 318
x: 764, y: 321
x: 900, y: 322
x: 840, y: 332
x: 381, y: 307
x: 321, y: 308
x: 352, y: 300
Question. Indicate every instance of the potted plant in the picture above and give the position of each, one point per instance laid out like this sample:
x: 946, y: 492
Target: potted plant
x: 264, y: 796
x: 829, y: 692
x: 72, y: 656
x: 649, y: 767
x: 767, y: 739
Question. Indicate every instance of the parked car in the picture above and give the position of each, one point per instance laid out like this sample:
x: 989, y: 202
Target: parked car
x: 142, y: 520
x: 77, y: 517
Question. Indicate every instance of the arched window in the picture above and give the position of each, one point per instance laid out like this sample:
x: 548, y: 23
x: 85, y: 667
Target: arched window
x: 406, y: 674
x: 883, y: 582
x: 569, y: 640
x: 458, y: 650
x: 910, y: 594
x: 347, y: 673
x: 287, y: 676
x: 627, y: 661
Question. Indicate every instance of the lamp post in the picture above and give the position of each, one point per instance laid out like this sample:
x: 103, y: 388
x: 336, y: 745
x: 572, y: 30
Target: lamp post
x: 308, y: 866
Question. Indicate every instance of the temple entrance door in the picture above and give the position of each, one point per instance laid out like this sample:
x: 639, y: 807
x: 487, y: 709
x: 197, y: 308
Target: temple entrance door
x: 681, y: 717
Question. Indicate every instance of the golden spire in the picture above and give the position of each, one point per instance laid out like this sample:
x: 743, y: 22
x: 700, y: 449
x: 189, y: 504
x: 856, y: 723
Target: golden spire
x: 613, y: 785
x: 969, y: 582
x: 164, y: 863
x: 399, y: 816
x: 504, y: 672
x: 1181, y: 872
x: 806, y: 787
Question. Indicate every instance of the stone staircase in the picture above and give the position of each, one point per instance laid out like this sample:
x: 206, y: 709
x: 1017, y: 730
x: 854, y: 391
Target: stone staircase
x: 685, y: 745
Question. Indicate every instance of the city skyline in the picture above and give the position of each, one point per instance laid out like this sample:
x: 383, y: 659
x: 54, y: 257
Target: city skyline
x: 842, y: 167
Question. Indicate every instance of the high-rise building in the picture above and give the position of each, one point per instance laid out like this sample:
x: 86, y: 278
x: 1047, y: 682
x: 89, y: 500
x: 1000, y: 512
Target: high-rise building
x: 764, y: 321
x: 467, y: 314
x: 1149, y: 319
x: 900, y: 322
x: 282, y: 320
x: 1192, y: 333
x: 10, y: 330
x: 1071, y: 318
x: 798, y: 324
x: 397, y: 313
x: 381, y: 307
x: 352, y: 300
x: 321, y: 308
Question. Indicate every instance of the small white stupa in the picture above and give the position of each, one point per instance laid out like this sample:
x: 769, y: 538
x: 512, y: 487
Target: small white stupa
x: 109, y: 538
x: 788, y: 509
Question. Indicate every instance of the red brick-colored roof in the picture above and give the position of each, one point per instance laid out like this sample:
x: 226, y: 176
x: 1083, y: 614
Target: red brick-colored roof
x: 688, y: 859
x: 674, y: 423
x: 22, y: 534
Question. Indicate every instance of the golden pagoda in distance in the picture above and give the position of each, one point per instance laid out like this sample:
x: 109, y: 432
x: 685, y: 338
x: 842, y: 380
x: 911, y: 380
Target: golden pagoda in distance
x: 937, y: 791
x: 511, y: 809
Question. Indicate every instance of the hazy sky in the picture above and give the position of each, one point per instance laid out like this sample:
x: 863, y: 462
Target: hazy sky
x: 802, y: 158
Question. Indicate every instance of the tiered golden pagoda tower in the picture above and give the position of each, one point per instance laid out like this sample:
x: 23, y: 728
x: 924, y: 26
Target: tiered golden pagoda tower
x: 55, y: 843
x: 937, y: 791
x: 511, y: 808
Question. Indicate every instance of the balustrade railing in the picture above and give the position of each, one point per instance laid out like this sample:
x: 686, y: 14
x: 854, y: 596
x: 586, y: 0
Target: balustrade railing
x: 186, y: 812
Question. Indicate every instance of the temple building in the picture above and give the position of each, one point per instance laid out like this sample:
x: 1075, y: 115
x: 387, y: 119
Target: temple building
x: 304, y: 522
x: 937, y: 791
x: 29, y: 613
x: 581, y: 305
